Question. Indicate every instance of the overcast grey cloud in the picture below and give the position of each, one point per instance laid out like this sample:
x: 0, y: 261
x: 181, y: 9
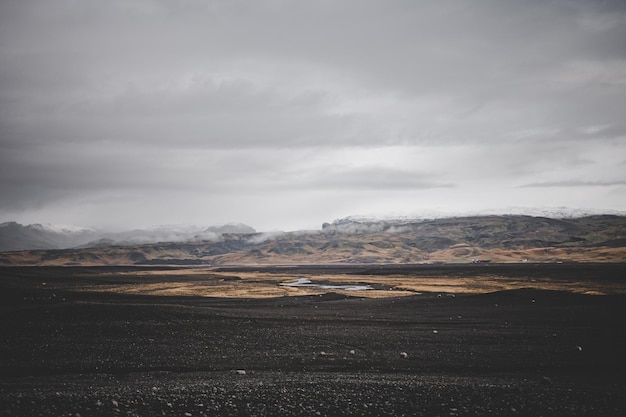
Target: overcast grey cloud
x: 285, y: 114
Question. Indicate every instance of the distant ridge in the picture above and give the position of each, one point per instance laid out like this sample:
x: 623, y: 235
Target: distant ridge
x: 491, y: 238
x: 16, y: 237
x: 549, y: 212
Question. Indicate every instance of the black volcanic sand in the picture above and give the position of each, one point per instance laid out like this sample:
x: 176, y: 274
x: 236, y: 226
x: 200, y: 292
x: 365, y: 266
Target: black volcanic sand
x: 64, y: 352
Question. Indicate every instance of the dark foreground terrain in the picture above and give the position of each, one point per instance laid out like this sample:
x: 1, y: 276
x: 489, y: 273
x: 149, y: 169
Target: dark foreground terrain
x: 66, y: 351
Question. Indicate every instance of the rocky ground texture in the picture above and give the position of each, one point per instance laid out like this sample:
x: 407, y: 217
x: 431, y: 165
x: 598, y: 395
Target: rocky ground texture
x: 69, y: 352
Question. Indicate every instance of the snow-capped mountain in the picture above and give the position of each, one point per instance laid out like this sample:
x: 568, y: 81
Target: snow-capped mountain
x: 507, y: 238
x: 14, y: 236
x: 548, y: 212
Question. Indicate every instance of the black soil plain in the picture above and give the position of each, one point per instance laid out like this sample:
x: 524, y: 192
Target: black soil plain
x: 70, y: 349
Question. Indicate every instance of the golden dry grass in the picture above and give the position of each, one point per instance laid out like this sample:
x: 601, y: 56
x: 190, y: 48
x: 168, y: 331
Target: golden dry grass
x: 206, y: 282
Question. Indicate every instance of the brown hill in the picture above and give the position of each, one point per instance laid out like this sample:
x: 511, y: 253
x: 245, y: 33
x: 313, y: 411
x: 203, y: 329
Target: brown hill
x: 462, y: 239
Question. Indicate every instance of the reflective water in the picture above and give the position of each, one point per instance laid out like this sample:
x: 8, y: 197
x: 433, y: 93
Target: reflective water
x: 305, y: 282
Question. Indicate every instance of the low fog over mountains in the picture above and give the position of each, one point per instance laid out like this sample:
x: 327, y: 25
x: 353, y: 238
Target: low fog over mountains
x: 509, y: 238
x: 14, y: 236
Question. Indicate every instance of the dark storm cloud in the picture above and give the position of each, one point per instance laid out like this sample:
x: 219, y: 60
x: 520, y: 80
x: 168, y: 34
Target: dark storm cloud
x: 118, y: 99
x: 119, y: 61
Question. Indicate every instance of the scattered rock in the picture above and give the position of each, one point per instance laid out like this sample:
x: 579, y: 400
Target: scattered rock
x: 404, y: 355
x: 546, y: 381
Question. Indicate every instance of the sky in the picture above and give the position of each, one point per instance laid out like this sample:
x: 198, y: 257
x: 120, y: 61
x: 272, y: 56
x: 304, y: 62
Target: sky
x: 286, y: 114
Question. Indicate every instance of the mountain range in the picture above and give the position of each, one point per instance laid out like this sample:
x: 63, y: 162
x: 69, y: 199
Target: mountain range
x: 495, y: 238
x: 15, y: 237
